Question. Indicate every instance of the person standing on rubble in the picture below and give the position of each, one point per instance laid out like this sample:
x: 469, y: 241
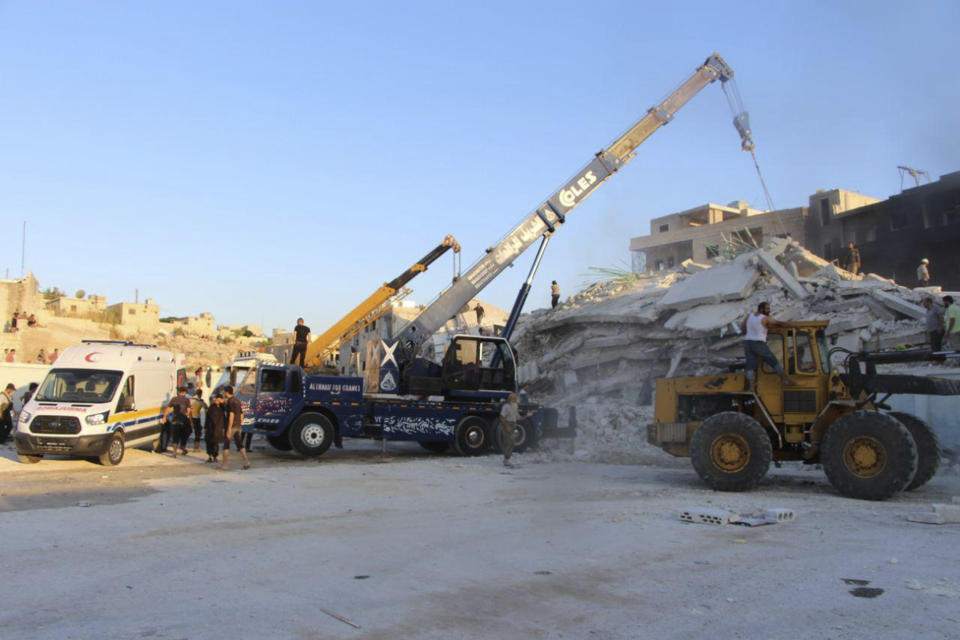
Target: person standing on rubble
x: 554, y: 294
x: 300, y: 341
x: 951, y: 324
x: 934, y: 323
x: 479, y: 310
x: 923, y: 273
x: 754, y: 327
x: 851, y: 259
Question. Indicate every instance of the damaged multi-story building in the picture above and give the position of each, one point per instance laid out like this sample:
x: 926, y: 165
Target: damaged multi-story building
x: 893, y: 235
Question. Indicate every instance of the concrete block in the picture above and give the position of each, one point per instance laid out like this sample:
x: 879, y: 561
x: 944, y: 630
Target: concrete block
x: 707, y: 318
x: 779, y: 515
x: 845, y: 325
x: 730, y: 281
x: 948, y: 512
x: 791, y: 284
x: 885, y: 341
x: 570, y: 379
x: 706, y: 515
x: 900, y: 306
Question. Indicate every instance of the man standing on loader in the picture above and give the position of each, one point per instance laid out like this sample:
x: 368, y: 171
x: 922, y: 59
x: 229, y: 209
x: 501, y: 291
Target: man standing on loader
x: 754, y: 327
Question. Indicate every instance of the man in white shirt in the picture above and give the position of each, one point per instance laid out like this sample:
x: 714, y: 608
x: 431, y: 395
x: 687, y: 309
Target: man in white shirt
x: 509, y: 417
x: 754, y: 327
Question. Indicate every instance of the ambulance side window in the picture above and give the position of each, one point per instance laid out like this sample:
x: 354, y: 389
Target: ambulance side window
x: 126, y: 396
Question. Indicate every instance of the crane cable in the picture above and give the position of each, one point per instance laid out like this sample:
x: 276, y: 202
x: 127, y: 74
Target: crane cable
x: 741, y: 120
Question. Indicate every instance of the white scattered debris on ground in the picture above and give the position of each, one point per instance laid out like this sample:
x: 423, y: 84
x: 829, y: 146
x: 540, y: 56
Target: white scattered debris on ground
x: 440, y: 547
x: 604, y: 348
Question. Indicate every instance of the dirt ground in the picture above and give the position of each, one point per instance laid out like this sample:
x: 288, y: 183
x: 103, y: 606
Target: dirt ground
x: 440, y: 547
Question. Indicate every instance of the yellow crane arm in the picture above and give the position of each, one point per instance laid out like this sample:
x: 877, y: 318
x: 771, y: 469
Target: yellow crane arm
x: 373, y: 307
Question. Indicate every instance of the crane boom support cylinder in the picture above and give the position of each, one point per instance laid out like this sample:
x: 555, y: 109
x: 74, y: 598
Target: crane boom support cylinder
x: 551, y: 214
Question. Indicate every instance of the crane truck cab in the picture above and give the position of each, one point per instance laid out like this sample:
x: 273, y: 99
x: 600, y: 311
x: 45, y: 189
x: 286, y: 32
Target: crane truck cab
x: 97, y: 399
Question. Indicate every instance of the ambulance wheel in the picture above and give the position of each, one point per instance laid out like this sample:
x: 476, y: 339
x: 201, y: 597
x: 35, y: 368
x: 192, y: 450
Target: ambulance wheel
x: 280, y: 443
x: 25, y: 459
x: 434, y: 447
x: 472, y: 436
x: 311, y: 435
x: 114, y: 453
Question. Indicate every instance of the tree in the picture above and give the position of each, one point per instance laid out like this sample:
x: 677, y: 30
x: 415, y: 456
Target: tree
x: 51, y: 293
x: 81, y: 293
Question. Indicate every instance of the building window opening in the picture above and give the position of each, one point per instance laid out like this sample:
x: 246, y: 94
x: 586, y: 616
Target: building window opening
x: 825, y: 212
x: 664, y: 228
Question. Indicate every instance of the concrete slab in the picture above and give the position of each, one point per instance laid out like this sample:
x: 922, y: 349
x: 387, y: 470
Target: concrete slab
x: 730, y: 281
x: 707, y: 318
x: 791, y: 284
x: 899, y: 305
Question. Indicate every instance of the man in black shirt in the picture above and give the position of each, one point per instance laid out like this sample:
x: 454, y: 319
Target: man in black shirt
x: 216, y: 425
x: 234, y: 430
x: 300, y: 341
x: 177, y: 428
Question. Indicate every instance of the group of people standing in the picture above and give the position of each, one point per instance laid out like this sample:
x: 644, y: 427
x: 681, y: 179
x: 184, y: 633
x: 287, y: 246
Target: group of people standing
x: 21, y: 319
x: 223, y: 425
x: 942, y: 323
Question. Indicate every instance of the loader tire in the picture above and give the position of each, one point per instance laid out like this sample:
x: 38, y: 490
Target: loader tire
x: 928, y: 448
x: 731, y: 451
x: 869, y: 455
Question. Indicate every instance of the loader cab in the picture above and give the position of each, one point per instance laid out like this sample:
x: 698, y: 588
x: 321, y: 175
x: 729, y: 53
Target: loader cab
x: 478, y: 366
x: 802, y: 351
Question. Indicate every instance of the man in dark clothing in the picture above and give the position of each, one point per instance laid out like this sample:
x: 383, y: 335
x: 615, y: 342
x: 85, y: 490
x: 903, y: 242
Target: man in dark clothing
x: 177, y: 427
x: 300, y: 341
x: 215, y: 426
x: 554, y: 294
x: 851, y: 259
x: 6, y: 412
x: 234, y: 411
x: 933, y: 323
x: 479, y: 310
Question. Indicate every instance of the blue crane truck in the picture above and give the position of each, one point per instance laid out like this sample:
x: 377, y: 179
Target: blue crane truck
x: 454, y: 402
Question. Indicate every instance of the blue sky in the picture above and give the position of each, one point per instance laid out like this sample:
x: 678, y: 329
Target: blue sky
x: 267, y: 160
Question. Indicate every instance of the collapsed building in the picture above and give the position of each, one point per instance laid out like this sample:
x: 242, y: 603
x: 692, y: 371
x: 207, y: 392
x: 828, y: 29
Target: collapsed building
x: 604, y: 348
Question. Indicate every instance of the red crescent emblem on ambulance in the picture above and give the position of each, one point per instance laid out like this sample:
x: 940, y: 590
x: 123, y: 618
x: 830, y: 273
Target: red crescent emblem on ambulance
x: 89, y: 357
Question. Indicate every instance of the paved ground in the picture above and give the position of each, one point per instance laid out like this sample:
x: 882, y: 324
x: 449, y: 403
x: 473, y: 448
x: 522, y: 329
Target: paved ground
x: 443, y: 547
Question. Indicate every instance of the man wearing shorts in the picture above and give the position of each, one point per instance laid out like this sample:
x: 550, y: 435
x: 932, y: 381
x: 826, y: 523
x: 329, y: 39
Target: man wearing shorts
x: 754, y: 326
x: 234, y: 429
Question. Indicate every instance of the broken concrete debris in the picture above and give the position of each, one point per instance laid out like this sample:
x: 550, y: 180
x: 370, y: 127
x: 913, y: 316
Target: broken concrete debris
x: 603, y: 349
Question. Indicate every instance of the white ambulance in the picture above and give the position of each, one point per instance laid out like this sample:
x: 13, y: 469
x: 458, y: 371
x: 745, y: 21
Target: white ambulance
x: 99, y: 398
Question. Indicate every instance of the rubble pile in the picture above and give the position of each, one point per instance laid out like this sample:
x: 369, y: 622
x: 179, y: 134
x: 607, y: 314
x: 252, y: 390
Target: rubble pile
x: 603, y: 349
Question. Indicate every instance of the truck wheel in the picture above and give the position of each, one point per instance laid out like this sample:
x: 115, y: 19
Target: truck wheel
x: 928, y: 448
x: 312, y: 434
x: 434, y: 447
x: 869, y: 455
x: 114, y: 453
x: 472, y: 436
x: 280, y: 443
x: 731, y: 451
x: 25, y: 459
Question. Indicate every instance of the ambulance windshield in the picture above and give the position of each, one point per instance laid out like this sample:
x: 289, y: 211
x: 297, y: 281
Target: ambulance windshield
x: 87, y: 386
